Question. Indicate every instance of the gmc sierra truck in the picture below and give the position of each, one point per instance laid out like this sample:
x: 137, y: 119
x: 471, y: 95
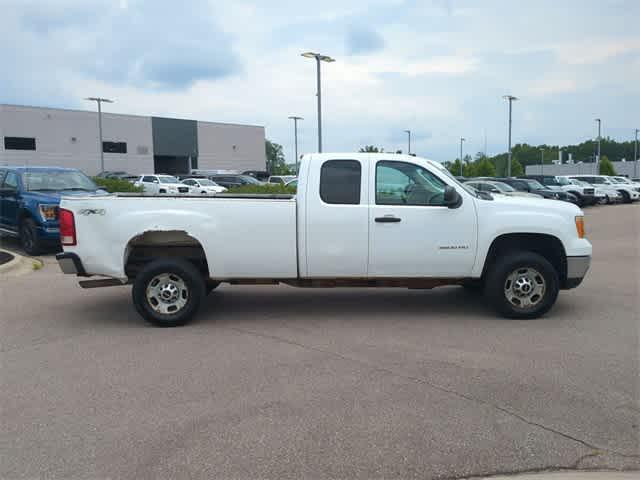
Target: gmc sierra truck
x: 357, y: 219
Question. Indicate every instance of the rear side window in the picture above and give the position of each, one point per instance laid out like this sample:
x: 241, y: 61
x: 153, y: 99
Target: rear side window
x: 340, y: 182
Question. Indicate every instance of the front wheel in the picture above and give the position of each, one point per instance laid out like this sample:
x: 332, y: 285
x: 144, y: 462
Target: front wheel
x: 168, y: 292
x: 31, y: 243
x: 522, y: 285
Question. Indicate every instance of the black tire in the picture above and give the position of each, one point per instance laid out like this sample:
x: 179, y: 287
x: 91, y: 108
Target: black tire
x: 210, y: 286
x: 626, y: 198
x: 473, y: 285
x: 580, y: 199
x: 186, y: 279
x: 28, y: 231
x: 522, y: 263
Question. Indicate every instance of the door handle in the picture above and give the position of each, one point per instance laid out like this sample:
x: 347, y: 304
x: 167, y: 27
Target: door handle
x: 388, y: 219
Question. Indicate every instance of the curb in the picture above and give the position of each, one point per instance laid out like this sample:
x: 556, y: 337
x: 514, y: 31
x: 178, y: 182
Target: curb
x: 19, y: 265
x: 566, y: 475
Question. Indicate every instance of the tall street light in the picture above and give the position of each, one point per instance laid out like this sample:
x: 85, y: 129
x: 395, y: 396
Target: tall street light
x: 635, y: 157
x: 598, y: 154
x: 409, y: 140
x: 462, y: 139
x: 511, y: 98
x: 319, y: 58
x: 542, y: 161
x: 295, y: 136
x: 99, y: 101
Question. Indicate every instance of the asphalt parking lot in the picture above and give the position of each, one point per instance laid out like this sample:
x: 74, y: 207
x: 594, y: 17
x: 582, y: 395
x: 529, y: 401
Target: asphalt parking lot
x: 277, y: 382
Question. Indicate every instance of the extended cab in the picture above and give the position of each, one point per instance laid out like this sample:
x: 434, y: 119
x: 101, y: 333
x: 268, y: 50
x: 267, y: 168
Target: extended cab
x: 358, y: 219
x: 29, y: 198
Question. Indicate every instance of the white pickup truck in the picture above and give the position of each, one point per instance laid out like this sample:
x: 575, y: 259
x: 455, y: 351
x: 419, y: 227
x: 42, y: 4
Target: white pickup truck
x: 366, y: 220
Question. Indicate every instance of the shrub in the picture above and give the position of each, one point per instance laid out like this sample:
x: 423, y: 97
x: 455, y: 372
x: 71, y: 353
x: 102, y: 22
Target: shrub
x: 264, y: 189
x: 116, y: 185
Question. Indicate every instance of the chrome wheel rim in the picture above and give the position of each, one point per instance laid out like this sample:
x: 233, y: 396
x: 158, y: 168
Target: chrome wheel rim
x: 167, y: 293
x: 524, y: 288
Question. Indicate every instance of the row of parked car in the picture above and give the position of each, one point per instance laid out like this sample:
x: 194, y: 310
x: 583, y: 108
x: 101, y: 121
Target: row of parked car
x: 200, y: 181
x: 582, y: 190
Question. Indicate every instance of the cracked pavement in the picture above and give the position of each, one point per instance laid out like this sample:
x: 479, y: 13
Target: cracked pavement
x: 277, y: 382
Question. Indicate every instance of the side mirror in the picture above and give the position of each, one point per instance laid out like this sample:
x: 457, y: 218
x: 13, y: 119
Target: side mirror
x: 452, y: 198
x: 156, y: 181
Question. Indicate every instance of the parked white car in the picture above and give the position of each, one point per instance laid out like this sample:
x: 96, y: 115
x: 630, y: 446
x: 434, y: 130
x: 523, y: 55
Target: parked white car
x: 626, y: 181
x: 204, y: 186
x: 160, y: 184
x: 499, y: 188
x: 358, y: 219
x: 280, y: 179
x: 629, y: 194
x: 599, y: 194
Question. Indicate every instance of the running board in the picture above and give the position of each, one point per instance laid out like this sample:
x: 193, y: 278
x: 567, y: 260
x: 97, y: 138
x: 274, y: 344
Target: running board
x: 102, y: 282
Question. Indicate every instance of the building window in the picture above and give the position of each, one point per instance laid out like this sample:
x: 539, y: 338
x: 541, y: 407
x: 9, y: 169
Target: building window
x: 340, y: 182
x: 114, y: 147
x: 19, y: 143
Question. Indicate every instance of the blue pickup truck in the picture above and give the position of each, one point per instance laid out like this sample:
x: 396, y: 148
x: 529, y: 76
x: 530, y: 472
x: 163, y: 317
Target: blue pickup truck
x: 29, y: 199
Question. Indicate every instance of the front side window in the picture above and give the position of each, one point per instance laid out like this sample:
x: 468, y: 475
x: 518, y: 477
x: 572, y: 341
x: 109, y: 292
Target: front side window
x: 168, y: 179
x: 340, y: 182
x: 401, y: 183
x: 148, y: 179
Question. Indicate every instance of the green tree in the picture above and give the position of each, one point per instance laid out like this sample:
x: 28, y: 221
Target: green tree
x: 371, y: 149
x: 516, y: 168
x: 275, y: 158
x: 485, y: 168
x: 606, y: 167
x: 453, y: 167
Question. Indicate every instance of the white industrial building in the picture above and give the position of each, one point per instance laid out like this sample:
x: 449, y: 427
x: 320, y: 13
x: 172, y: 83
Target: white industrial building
x: 136, y: 144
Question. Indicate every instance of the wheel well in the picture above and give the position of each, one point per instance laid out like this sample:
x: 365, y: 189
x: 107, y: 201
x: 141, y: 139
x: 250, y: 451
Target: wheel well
x: 152, y: 245
x: 24, y: 214
x: 547, y: 246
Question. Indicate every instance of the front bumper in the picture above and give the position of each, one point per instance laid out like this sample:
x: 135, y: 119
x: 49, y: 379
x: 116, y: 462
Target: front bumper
x: 577, y: 268
x: 71, y: 264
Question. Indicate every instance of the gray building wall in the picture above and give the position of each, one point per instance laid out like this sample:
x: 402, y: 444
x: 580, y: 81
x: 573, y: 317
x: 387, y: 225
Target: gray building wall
x: 231, y: 147
x: 69, y: 138
x: 622, y: 168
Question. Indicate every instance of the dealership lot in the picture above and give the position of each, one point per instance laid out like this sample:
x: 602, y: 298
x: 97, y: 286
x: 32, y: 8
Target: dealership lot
x: 277, y: 382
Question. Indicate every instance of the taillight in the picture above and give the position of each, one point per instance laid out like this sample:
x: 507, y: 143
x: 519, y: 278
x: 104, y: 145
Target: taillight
x: 67, y: 228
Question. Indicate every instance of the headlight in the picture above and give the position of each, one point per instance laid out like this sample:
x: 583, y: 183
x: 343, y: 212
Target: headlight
x: 48, y: 212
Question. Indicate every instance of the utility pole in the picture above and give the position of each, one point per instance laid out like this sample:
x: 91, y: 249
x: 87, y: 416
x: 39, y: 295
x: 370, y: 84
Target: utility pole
x: 99, y: 101
x: 409, y: 135
x: 319, y: 58
x: 511, y: 98
x: 635, y: 157
x: 462, y: 139
x: 295, y: 137
x: 542, y: 161
x: 598, y: 154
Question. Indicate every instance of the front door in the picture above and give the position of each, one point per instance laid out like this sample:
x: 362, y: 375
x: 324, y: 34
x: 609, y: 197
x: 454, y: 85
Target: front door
x: 9, y: 201
x: 412, y: 233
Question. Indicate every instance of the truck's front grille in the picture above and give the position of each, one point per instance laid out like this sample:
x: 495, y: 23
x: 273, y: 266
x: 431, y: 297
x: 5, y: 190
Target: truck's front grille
x: 589, y: 191
x: 183, y: 189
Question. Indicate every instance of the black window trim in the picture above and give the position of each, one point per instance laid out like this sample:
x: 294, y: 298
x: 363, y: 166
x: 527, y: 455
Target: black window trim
x: 359, y: 163
x: 375, y: 185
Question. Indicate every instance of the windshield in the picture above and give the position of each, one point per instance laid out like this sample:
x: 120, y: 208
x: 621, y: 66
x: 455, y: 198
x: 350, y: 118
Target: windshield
x: 466, y: 188
x: 563, y: 181
x: 167, y: 179
x: 205, y: 182
x: 503, y: 187
x: 250, y: 180
x: 57, y: 181
x: 535, y: 185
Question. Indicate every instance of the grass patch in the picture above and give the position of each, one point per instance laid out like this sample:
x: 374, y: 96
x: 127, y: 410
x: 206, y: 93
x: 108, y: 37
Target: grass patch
x: 264, y: 189
x: 116, y: 185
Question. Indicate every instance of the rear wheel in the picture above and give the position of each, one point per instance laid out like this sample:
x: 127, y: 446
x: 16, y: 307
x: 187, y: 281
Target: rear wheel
x: 31, y: 243
x: 626, y: 198
x: 522, y: 285
x: 168, y: 292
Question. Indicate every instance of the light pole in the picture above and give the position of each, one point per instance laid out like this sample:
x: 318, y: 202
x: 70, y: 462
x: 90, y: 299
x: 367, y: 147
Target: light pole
x: 409, y: 140
x: 295, y: 136
x: 462, y: 139
x: 319, y: 58
x: 542, y: 161
x: 511, y: 98
x: 99, y: 101
x: 635, y: 157
x: 598, y: 154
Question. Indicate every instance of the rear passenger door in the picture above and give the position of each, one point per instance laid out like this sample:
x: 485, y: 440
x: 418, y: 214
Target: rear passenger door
x: 337, y: 226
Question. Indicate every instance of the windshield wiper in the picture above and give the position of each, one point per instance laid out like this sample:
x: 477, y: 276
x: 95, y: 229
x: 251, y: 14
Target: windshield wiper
x: 78, y: 189
x: 42, y: 190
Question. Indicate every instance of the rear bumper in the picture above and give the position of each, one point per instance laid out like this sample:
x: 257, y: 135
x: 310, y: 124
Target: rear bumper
x: 71, y: 264
x: 577, y: 268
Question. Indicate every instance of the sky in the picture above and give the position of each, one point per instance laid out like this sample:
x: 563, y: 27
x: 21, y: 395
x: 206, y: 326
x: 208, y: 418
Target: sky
x: 436, y: 67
